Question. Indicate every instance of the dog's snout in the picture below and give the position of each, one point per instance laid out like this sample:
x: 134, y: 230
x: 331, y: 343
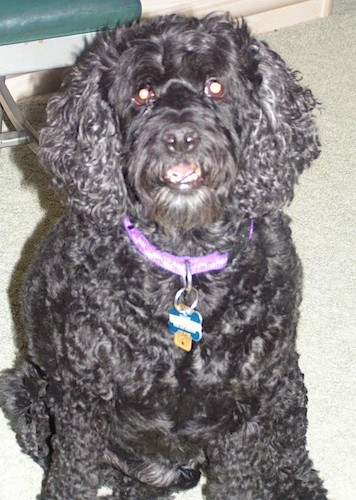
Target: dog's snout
x: 180, y: 139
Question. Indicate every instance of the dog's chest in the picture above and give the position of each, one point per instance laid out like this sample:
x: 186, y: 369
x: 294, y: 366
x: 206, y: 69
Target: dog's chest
x: 173, y: 411
x: 178, y: 389
x: 153, y: 373
x: 151, y: 378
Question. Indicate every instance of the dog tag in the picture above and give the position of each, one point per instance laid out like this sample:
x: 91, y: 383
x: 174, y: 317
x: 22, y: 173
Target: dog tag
x: 186, y: 325
x: 183, y: 340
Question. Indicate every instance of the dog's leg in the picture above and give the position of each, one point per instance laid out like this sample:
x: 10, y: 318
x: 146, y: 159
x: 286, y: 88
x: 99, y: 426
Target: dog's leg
x: 261, y: 471
x: 132, y: 485
x: 74, y: 471
x: 131, y: 489
x: 23, y: 392
x: 266, y: 458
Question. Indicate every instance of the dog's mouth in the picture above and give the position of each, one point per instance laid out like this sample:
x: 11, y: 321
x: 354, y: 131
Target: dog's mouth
x: 184, y: 176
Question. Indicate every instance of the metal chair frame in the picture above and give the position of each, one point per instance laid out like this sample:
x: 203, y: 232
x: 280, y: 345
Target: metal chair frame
x: 24, y: 132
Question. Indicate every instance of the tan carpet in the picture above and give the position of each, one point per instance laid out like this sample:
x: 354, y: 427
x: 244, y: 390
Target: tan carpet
x: 324, y: 229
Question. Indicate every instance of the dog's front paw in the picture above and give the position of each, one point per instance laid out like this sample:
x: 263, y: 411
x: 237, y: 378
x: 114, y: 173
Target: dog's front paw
x: 188, y: 478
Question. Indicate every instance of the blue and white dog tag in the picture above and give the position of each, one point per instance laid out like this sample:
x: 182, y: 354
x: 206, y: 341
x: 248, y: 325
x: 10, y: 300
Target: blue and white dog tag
x: 186, y: 325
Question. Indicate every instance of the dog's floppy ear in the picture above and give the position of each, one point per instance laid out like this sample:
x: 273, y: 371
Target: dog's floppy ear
x: 284, y: 134
x: 81, y: 146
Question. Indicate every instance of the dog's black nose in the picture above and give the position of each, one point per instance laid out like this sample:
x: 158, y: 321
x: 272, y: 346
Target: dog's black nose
x: 181, y: 139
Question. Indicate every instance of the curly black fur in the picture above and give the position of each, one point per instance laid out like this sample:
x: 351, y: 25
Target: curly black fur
x: 104, y: 395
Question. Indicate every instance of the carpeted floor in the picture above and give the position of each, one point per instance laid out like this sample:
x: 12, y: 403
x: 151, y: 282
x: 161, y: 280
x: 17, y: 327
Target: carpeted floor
x: 324, y: 229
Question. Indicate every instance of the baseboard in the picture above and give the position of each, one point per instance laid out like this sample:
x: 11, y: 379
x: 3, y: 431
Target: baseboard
x: 289, y: 15
x: 40, y: 82
x: 262, y: 15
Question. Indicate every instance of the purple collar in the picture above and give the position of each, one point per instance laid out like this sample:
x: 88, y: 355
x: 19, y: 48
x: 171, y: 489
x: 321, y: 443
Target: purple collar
x: 174, y: 263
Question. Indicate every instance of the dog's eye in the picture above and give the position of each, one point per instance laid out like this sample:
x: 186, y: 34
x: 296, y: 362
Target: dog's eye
x: 214, y: 88
x: 144, y: 95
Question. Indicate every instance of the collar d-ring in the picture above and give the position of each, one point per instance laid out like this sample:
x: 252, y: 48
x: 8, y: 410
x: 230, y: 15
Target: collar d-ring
x: 188, y: 278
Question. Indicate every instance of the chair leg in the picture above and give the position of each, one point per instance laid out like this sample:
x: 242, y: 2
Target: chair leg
x: 25, y: 133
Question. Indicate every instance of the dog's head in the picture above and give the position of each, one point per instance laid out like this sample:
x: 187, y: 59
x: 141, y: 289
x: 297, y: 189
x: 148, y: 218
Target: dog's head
x: 181, y: 121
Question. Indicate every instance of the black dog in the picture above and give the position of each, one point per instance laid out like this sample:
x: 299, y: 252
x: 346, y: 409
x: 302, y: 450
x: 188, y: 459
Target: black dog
x: 177, y: 143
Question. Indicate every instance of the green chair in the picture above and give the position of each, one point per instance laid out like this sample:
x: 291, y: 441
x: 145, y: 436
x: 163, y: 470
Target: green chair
x: 47, y: 34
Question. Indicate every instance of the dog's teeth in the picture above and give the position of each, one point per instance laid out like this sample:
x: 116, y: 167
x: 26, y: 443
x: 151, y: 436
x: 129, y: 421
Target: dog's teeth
x: 175, y: 177
x: 183, y: 174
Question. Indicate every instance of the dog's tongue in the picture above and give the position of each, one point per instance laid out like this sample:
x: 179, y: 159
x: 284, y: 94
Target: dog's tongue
x: 183, y: 174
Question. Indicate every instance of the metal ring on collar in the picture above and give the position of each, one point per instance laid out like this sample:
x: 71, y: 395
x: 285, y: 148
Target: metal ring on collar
x: 178, y: 296
x: 188, y: 278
